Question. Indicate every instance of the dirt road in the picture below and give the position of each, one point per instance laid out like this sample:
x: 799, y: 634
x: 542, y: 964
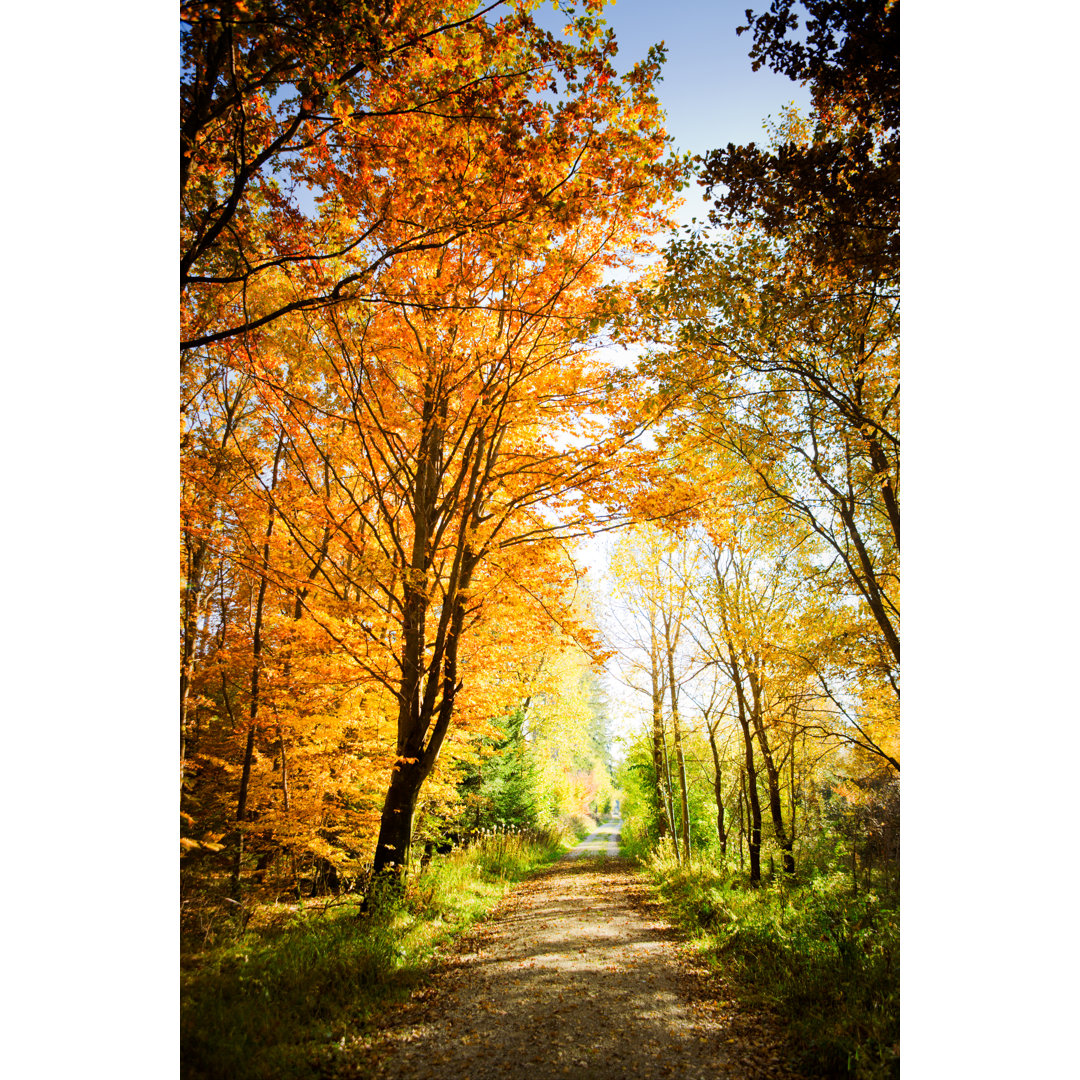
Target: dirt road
x: 605, y: 841
x: 575, y: 975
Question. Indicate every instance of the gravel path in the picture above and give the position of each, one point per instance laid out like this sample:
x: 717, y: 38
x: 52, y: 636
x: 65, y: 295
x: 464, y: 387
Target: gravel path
x: 576, y: 974
x: 605, y: 841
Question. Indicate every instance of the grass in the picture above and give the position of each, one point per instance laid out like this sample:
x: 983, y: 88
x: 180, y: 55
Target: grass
x: 275, y: 997
x: 827, y: 961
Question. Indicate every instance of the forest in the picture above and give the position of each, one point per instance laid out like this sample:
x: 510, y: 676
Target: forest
x: 442, y: 343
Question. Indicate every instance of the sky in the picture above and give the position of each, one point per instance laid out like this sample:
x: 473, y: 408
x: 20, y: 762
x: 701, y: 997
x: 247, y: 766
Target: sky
x: 711, y: 95
x: 709, y: 92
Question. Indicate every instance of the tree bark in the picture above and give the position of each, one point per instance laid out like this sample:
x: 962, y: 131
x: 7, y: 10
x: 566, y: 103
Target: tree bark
x: 419, y: 719
x: 742, y: 800
x: 772, y: 775
x: 669, y: 802
x: 671, y: 639
x: 721, y: 832
x: 256, y: 670
x: 663, y: 806
x: 754, y: 832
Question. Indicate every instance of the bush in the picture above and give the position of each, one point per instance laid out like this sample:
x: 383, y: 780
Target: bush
x: 825, y: 959
x: 578, y: 825
x: 276, y: 996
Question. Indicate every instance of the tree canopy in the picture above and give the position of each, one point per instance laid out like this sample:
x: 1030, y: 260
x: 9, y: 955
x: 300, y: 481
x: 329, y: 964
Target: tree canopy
x: 407, y: 230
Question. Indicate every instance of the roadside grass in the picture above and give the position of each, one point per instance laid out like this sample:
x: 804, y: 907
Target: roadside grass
x: 634, y: 840
x: 825, y: 959
x: 580, y: 825
x: 278, y: 995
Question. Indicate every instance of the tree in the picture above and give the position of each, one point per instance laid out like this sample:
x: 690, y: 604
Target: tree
x: 795, y: 384
x: 650, y: 571
x: 830, y: 190
x: 320, y: 142
x: 435, y: 434
x: 416, y: 349
x: 712, y: 716
x: 751, y: 607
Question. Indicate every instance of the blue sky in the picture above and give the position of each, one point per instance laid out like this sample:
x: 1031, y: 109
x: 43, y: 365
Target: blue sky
x: 710, y: 94
x: 709, y: 91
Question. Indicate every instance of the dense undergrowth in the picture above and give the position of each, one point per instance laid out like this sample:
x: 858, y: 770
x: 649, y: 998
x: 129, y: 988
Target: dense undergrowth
x: 825, y: 958
x: 277, y: 989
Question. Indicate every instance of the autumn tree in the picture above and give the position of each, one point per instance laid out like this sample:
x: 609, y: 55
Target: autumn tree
x: 378, y: 392
x: 651, y: 571
x: 320, y: 142
x: 744, y: 625
x: 793, y: 380
x: 641, y: 661
x: 713, y: 711
x: 281, y: 727
x: 438, y: 435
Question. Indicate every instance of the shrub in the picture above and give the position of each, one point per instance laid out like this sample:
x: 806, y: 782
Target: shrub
x: 825, y: 959
x: 278, y: 994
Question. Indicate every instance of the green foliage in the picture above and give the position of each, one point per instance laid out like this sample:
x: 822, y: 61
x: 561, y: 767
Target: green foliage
x: 826, y: 959
x: 701, y: 801
x: 287, y: 987
x: 636, y: 777
x: 547, y: 769
x: 507, y: 784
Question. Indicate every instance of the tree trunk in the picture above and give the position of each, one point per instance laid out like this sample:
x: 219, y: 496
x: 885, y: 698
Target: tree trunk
x: 663, y: 808
x: 742, y: 800
x: 241, y: 809
x: 772, y: 775
x: 754, y: 834
x: 256, y: 670
x: 671, y: 640
x: 419, y: 718
x: 718, y: 792
x: 395, y: 829
x: 684, y: 800
x: 669, y: 802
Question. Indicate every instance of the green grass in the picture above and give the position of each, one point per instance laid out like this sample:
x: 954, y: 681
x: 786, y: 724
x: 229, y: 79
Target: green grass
x: 634, y: 839
x: 274, y: 999
x: 827, y: 961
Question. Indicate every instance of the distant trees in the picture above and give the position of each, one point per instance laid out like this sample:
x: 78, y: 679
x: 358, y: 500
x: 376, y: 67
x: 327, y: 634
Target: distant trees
x: 651, y: 587
x: 764, y: 738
